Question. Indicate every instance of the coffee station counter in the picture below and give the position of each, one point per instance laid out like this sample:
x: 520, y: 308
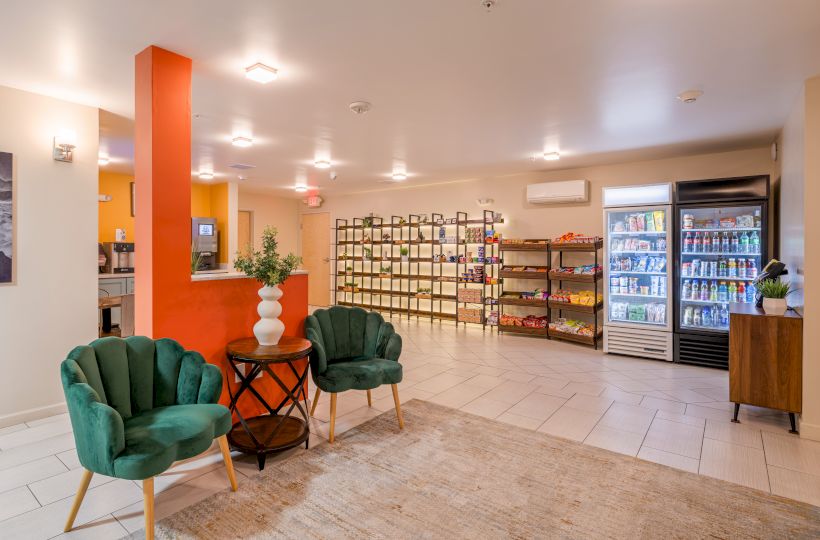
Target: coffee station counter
x: 115, y: 276
x: 216, y: 275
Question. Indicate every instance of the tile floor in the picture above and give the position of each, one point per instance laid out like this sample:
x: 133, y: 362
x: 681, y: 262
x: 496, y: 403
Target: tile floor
x: 670, y: 414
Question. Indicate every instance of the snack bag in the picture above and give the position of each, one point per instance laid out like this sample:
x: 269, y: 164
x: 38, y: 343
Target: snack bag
x: 650, y: 222
x: 659, y: 224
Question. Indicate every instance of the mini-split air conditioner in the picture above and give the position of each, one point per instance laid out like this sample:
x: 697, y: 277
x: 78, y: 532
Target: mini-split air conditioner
x: 558, y: 192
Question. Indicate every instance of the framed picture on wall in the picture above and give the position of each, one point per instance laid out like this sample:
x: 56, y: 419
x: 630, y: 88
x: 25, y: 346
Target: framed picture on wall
x: 6, y: 217
x: 133, y: 199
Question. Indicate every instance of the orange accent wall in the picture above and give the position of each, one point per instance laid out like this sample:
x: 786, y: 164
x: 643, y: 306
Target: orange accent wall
x: 116, y: 213
x: 203, y: 315
x: 200, y: 200
x: 219, y: 210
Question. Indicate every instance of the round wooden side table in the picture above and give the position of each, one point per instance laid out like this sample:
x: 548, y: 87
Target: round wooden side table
x: 280, y: 429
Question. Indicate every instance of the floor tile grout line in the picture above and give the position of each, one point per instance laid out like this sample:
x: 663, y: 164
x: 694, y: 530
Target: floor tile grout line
x: 28, y: 486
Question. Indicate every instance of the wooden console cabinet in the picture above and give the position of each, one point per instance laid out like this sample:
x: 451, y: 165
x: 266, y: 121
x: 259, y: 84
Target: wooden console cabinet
x: 765, y: 360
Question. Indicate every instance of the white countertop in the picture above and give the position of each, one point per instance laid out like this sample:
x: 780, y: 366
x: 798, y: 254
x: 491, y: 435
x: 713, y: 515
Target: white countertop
x: 213, y: 276
x: 114, y: 276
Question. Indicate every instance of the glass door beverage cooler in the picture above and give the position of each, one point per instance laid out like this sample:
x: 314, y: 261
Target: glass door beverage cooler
x: 720, y: 247
x: 638, y: 303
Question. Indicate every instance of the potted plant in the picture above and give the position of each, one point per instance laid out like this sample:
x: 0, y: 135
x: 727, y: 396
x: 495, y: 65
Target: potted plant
x: 368, y: 253
x: 271, y: 269
x: 384, y: 271
x: 774, y: 294
x: 367, y: 222
x: 348, y: 269
x: 196, y: 259
x: 405, y: 254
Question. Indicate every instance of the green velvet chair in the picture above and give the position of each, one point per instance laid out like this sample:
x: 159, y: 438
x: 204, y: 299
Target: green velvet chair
x: 136, y: 406
x: 353, y: 349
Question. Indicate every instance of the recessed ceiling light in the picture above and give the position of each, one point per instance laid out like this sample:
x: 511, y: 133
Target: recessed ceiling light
x: 102, y: 160
x: 300, y: 189
x: 261, y: 73
x: 321, y: 164
x: 399, y: 176
x: 689, y: 96
x: 552, y: 156
x: 242, y: 142
x: 205, y: 175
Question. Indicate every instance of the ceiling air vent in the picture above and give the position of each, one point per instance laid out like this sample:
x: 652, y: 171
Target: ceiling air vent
x: 241, y: 166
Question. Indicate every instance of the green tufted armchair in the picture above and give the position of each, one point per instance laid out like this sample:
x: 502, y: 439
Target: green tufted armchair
x: 136, y: 406
x: 353, y: 349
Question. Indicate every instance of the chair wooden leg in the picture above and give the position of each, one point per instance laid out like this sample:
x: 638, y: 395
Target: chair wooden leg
x: 332, y: 416
x: 369, y: 399
x: 226, y: 456
x: 398, y: 405
x: 148, y: 505
x: 78, y: 499
x: 315, y: 401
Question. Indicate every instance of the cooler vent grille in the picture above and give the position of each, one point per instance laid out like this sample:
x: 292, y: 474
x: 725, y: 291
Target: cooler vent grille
x: 643, y: 343
x: 703, y: 352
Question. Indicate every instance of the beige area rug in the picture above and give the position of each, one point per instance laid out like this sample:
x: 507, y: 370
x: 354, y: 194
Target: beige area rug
x: 450, y: 474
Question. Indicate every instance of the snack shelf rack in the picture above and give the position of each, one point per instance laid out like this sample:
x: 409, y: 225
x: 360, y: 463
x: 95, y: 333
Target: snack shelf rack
x: 593, y: 248
x: 397, y: 265
x: 510, y: 255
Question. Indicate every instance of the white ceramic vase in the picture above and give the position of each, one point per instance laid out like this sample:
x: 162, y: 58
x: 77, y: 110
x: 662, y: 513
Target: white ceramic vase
x: 774, y: 306
x: 269, y: 329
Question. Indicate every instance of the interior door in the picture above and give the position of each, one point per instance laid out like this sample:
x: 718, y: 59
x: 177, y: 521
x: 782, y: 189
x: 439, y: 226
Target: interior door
x: 245, y: 231
x: 316, y: 256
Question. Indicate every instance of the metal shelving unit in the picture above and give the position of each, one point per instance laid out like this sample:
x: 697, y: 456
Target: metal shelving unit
x: 397, y: 292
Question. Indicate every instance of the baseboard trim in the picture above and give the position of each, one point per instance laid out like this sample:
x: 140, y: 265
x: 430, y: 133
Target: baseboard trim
x: 30, y: 415
x: 809, y: 431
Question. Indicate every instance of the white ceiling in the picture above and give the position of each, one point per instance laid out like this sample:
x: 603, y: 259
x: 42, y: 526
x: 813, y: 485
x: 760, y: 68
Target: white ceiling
x: 457, y: 92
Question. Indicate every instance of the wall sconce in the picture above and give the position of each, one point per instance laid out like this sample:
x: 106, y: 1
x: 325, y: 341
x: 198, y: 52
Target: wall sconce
x: 64, y: 144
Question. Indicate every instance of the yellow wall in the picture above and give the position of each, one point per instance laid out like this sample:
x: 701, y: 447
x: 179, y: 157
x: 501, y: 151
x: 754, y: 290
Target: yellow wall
x: 115, y: 214
x: 219, y: 210
x: 207, y: 200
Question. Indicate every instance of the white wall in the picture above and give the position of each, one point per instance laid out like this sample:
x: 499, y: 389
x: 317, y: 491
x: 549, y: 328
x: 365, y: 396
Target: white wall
x: 792, y: 226
x: 532, y: 221
x: 52, y: 306
x: 279, y: 212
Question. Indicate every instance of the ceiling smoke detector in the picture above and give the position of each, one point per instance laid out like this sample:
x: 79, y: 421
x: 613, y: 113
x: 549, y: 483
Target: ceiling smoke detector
x: 689, y: 96
x: 360, y: 107
x: 488, y: 4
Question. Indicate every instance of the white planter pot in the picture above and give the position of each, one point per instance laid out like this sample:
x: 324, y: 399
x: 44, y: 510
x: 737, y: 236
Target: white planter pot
x: 774, y: 306
x: 269, y: 329
x: 405, y: 258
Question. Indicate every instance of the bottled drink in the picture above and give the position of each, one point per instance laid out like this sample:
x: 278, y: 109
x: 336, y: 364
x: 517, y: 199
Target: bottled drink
x: 744, y: 243
x: 697, y: 243
x: 754, y: 243
x: 724, y: 243
x: 704, y: 290
x: 715, y: 242
x: 751, y: 269
x: 707, y: 243
x: 724, y: 316
x: 713, y: 291
x: 688, y: 243
x: 687, y: 289
x: 723, y: 292
x: 694, y: 294
x: 732, y: 289
x: 697, y: 317
x: 735, y: 243
x: 741, y: 268
x: 741, y: 292
x: 687, y: 316
x: 706, y: 316
x: 731, y: 268
x: 695, y: 267
x: 750, y: 293
x: 713, y: 265
x: 757, y: 218
x: 721, y: 267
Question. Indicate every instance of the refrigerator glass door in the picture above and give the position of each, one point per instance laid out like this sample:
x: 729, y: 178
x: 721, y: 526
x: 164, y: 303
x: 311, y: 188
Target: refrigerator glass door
x: 720, y: 257
x: 637, y: 273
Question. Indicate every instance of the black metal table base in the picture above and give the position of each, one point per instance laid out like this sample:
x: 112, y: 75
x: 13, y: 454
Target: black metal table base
x: 792, y: 420
x: 273, y: 432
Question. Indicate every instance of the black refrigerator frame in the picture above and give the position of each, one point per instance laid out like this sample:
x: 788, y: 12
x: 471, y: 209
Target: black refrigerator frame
x: 705, y: 348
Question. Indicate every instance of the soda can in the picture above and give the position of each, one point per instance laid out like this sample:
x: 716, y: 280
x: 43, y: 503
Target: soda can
x: 614, y: 285
x: 624, y: 284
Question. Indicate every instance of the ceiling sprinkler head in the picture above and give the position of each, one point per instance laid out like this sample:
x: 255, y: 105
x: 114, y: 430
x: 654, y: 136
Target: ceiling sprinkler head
x: 360, y: 107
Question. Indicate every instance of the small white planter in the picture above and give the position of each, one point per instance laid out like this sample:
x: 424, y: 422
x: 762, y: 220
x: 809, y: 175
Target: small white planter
x: 774, y: 306
x: 405, y: 258
x: 269, y: 329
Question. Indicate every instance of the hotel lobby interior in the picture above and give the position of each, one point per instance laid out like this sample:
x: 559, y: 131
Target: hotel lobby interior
x: 462, y: 269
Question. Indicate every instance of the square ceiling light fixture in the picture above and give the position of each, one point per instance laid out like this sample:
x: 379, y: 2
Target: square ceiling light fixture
x: 261, y: 73
x: 242, y: 142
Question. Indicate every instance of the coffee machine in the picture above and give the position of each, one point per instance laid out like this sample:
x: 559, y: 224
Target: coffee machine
x: 119, y: 258
x: 205, y: 242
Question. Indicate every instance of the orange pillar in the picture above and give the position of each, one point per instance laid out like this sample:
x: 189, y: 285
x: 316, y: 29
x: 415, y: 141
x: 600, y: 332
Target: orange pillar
x: 163, y: 189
